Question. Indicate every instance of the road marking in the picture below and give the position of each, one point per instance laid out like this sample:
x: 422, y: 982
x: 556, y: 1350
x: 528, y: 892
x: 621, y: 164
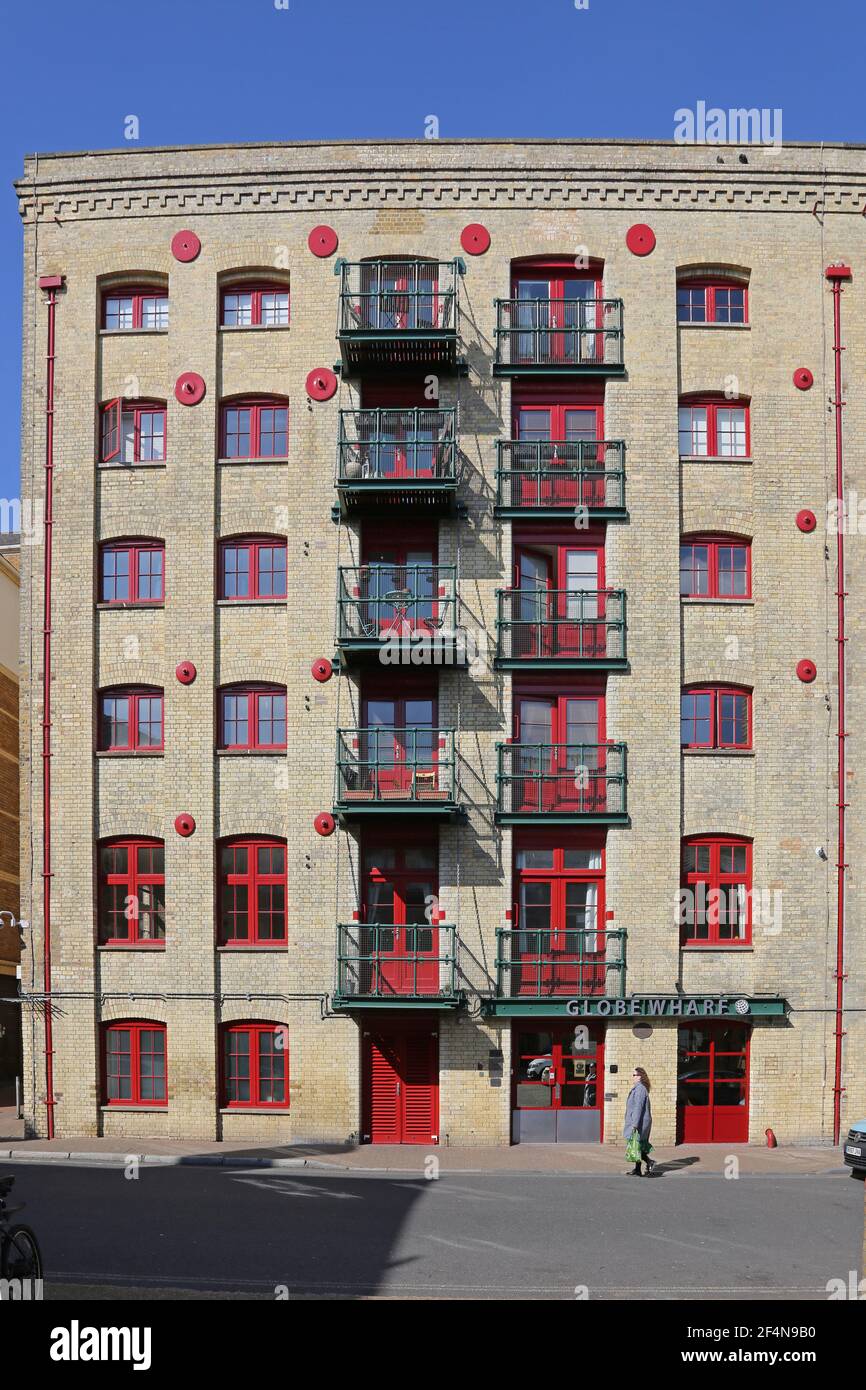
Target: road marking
x: 290, y: 1187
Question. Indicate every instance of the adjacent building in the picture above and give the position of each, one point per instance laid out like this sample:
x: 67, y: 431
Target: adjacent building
x: 444, y: 703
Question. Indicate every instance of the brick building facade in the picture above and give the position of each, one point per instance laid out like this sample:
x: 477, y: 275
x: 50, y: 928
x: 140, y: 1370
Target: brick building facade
x: 582, y: 449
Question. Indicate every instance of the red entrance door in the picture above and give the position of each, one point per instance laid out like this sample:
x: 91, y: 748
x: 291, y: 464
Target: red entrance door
x: 399, y: 938
x: 561, y: 763
x: 713, y: 1083
x: 401, y: 1086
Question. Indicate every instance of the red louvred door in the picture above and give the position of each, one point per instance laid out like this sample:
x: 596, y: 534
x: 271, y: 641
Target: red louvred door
x: 401, y: 1087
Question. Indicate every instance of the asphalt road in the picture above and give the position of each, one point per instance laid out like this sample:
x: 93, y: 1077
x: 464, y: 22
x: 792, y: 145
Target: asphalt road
x: 195, y: 1233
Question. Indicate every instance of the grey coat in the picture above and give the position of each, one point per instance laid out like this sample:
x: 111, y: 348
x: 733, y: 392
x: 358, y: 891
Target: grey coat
x: 638, y: 1114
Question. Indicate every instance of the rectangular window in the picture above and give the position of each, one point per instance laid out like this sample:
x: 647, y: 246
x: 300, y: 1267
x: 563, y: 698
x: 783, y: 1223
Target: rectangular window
x: 716, y: 718
x: 715, y: 569
x: 132, y: 574
x: 132, y: 893
x: 713, y: 430
x: 253, y: 893
x: 126, y: 310
x: 253, y: 430
x: 135, y: 1064
x: 711, y: 304
x: 256, y: 1066
x: 132, y: 433
x: 254, y: 719
x: 130, y: 721
x: 716, y: 887
x: 250, y: 306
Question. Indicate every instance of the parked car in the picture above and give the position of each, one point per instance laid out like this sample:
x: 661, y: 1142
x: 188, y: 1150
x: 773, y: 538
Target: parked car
x: 854, y: 1149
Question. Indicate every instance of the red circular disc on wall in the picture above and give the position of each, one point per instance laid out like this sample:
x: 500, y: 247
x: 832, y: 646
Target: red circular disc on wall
x: 806, y: 671
x: 322, y: 669
x: 806, y: 520
x: 321, y: 383
x: 189, y: 388
x: 184, y: 824
x: 475, y: 239
x: 640, y: 239
x: 185, y: 672
x: 323, y: 241
x: 803, y: 379
x: 185, y: 246
x: 325, y: 823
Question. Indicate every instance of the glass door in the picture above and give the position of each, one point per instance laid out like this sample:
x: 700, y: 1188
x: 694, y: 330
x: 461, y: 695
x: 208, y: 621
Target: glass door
x: 713, y: 1084
x: 580, y: 604
x: 400, y: 935
x: 400, y: 746
x: 558, y: 1083
x: 398, y: 592
x: 529, y: 636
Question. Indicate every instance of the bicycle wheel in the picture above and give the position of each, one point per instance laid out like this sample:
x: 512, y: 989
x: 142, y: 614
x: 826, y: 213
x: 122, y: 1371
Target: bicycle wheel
x: 21, y: 1258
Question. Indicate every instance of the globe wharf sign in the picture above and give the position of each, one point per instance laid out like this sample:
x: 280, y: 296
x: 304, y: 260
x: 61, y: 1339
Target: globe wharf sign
x: 676, y: 1006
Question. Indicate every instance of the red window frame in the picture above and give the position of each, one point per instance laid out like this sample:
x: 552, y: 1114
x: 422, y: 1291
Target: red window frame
x: 562, y: 326
x: 713, y: 406
x: 137, y: 293
x: 555, y: 270
x: 400, y: 956
x: 255, y: 693
x: 254, y: 545
x: 715, y: 880
x: 111, y: 429
x: 254, y: 1030
x: 255, y: 405
x: 132, y: 878
x: 252, y: 878
x: 135, y: 695
x: 137, y: 1052
x: 561, y: 787
x: 559, y: 976
x: 387, y: 554
x: 396, y: 753
x: 716, y: 717
x: 711, y: 287
x: 135, y: 550
x: 255, y: 289
x: 714, y: 546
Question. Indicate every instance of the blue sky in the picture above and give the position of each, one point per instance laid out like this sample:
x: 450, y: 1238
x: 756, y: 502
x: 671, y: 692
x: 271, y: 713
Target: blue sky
x: 204, y: 71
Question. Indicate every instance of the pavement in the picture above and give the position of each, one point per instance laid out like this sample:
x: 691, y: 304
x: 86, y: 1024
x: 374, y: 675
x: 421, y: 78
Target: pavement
x: 412, y: 1159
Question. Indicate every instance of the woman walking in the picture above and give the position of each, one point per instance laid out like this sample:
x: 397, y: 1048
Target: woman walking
x: 639, y: 1122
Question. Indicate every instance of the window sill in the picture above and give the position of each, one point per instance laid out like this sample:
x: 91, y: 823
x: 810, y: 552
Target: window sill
x: 225, y: 463
x: 251, y: 602
x: 738, y: 327
x: 132, y: 604
x: 135, y: 1109
x: 721, y: 602
x: 111, y: 467
x: 132, y: 332
x: 716, y: 458
x: 130, y: 946
x: 694, y: 947
x: 254, y: 1110
x: 254, y: 327
x: 255, y: 950
x: 251, y: 752
x: 130, y: 752
x: 718, y: 752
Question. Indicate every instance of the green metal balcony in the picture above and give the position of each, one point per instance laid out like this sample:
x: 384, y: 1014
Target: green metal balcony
x: 537, y: 969
x: 398, y: 316
x: 544, y: 337
x: 399, y: 615
x: 561, y: 784
x: 397, y: 459
x: 396, y: 771
x: 396, y: 967
x: 553, y: 478
x: 561, y: 630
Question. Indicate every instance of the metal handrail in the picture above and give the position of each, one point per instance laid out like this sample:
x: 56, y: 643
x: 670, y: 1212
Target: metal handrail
x: 544, y: 332
x: 560, y: 961
x: 585, y: 624
x: 574, y: 778
x: 575, y: 473
x: 368, y: 968
x: 397, y: 296
x: 418, y: 764
x: 397, y: 445
x: 379, y: 601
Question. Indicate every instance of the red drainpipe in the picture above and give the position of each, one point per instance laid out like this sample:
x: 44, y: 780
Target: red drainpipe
x: 836, y: 274
x: 51, y: 283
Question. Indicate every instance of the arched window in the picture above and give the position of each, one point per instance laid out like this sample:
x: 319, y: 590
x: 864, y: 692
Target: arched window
x: 134, y: 1063
x: 131, y: 875
x: 252, y: 717
x: 711, y: 297
x: 132, y: 431
x: 716, y: 891
x: 714, y: 427
x: 254, y: 1070
x: 252, y: 567
x: 717, y: 567
x: 252, y: 892
x: 254, y: 427
x: 132, y: 571
x: 130, y: 720
x: 133, y: 307
x: 254, y: 303
x: 716, y: 716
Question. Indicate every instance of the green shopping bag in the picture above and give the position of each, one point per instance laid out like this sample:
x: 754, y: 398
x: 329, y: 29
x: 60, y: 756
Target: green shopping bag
x: 633, y: 1149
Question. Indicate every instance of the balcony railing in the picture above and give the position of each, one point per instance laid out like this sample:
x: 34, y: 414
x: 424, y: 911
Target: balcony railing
x: 397, y: 456
x: 558, y: 335
x: 562, y: 782
x: 389, y: 610
x: 547, y: 962
x: 395, y: 769
x: 554, y: 476
x: 561, y: 627
x: 398, y: 313
x: 394, y: 965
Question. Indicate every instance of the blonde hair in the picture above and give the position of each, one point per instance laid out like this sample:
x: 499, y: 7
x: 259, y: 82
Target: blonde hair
x: 643, y: 1077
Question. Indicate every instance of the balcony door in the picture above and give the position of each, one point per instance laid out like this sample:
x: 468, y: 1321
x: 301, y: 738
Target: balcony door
x: 400, y: 428
x: 557, y: 947
x: 560, y: 766
x: 400, y: 745
x: 399, y: 937
x: 559, y: 601
x: 398, y: 296
x: 399, y: 590
x: 554, y: 311
x: 562, y: 467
